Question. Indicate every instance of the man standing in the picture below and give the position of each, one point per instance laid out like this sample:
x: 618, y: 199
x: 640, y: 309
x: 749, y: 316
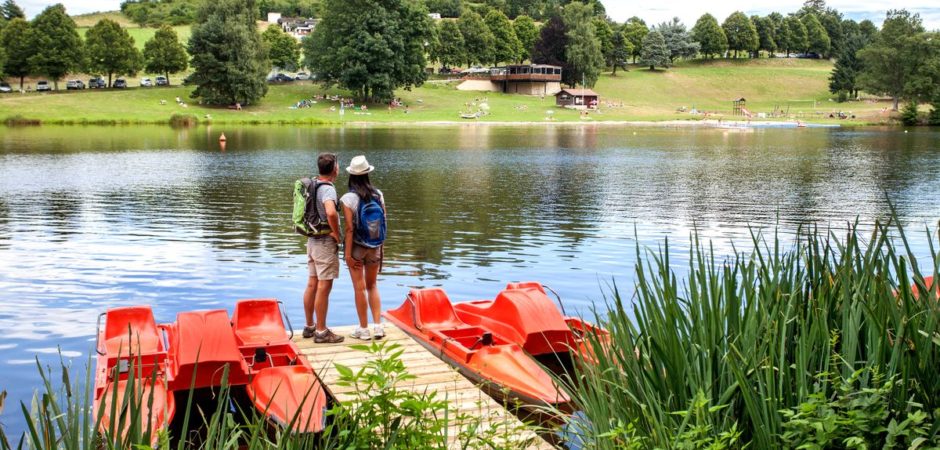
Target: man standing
x: 323, y: 254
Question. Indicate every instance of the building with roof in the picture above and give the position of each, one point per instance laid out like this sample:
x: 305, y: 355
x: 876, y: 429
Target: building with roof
x: 577, y: 98
x: 525, y: 79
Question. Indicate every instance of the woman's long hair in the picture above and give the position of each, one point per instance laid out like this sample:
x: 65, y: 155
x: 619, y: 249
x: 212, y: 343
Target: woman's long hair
x: 362, y: 187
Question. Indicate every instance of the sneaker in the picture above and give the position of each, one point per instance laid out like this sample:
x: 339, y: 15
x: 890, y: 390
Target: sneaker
x: 361, y: 334
x: 309, y: 332
x: 327, y: 337
x: 378, y: 332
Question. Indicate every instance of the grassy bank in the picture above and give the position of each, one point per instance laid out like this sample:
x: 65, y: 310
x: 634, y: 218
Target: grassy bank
x: 140, y: 34
x: 791, y: 85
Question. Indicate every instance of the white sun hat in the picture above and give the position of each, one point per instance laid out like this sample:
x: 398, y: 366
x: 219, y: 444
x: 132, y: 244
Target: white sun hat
x: 359, y: 166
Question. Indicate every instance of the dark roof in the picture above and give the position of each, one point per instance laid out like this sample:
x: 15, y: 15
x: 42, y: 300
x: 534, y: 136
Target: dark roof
x: 579, y: 93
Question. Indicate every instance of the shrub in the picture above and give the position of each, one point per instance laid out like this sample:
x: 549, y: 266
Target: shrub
x: 909, y: 114
x: 183, y: 120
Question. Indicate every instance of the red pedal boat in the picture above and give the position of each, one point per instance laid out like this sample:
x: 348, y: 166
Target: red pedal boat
x: 191, y: 354
x: 493, y: 341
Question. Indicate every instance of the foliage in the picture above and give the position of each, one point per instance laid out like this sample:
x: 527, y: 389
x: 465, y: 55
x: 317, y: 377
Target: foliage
x: 449, y: 46
x: 678, y: 40
x: 848, y: 66
x: 477, y: 38
x: 832, y: 21
x: 766, y: 32
x: 10, y: 10
x: 605, y: 35
x: 152, y: 13
x: 550, y: 48
x: 228, y: 58
x: 506, y: 46
x: 446, y: 8
x: 710, y: 36
x: 634, y: 30
x: 622, y: 51
x: 53, y: 31
x: 816, y: 38
x: 655, y: 52
x: 110, y: 49
x: 894, y: 57
x: 583, y: 52
x: 741, y: 33
x: 795, y: 38
x: 527, y: 33
x: 753, y: 331
x: 17, y: 45
x: 283, y: 49
x: 909, y: 114
x: 370, y: 47
x: 163, y: 53
x: 933, y: 119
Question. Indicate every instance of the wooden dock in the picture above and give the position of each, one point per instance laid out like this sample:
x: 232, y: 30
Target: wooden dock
x: 431, y: 374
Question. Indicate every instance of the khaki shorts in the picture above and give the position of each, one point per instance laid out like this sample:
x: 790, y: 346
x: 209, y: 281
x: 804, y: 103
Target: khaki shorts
x: 368, y: 256
x: 323, y: 258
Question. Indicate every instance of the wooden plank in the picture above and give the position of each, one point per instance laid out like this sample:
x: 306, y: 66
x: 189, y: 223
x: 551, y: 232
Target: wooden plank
x: 431, y: 375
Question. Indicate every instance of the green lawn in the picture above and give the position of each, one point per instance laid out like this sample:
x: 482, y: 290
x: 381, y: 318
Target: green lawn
x: 143, y: 34
x: 646, y: 96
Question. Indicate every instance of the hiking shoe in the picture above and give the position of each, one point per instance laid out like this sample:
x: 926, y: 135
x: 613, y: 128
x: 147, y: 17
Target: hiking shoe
x: 378, y: 332
x: 361, y: 334
x: 327, y: 337
x: 309, y: 332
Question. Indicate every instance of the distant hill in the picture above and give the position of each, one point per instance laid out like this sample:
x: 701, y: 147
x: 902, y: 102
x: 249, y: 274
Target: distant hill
x: 140, y: 34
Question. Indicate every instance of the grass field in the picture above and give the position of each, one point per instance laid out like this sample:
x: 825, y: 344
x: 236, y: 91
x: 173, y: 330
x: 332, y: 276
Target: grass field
x: 794, y: 85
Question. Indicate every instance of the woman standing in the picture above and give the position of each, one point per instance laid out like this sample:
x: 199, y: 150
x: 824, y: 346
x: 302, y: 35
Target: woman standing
x: 364, y: 211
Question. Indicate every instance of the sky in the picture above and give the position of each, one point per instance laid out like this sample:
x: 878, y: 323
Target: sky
x: 652, y: 12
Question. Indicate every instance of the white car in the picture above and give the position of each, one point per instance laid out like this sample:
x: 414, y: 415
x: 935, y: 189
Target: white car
x: 146, y: 82
x: 4, y: 87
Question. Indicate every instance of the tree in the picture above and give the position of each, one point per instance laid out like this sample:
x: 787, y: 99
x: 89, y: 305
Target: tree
x: 655, y: 51
x: 584, y: 49
x: 551, y: 46
x: 622, y: 51
x: 527, y: 33
x: 831, y: 20
x: 10, y: 10
x: 446, y: 8
x: 710, y: 36
x: 370, y: 47
x: 634, y: 30
x: 845, y: 73
x: 477, y: 37
x: 605, y: 35
x: 678, y: 40
x: 16, y: 42
x: 449, y: 49
x: 110, y: 49
x: 894, y: 57
x: 868, y: 29
x: 795, y: 35
x: 741, y: 33
x: 506, y: 46
x: 164, y: 53
x: 53, y: 32
x: 767, y: 34
x: 283, y: 50
x: 228, y: 58
x: 816, y: 38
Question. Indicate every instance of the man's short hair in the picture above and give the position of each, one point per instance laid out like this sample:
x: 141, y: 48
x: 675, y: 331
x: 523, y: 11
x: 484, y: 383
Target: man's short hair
x: 326, y: 163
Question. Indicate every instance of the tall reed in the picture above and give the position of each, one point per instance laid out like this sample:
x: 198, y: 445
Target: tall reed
x: 722, y: 357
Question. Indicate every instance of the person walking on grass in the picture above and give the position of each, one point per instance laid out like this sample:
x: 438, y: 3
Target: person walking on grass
x: 323, y: 254
x: 365, y: 214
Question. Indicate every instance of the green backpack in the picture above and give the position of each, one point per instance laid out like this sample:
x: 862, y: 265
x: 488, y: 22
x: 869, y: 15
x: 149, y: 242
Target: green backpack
x: 306, y: 221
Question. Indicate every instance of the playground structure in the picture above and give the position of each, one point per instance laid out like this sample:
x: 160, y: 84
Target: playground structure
x: 739, y: 108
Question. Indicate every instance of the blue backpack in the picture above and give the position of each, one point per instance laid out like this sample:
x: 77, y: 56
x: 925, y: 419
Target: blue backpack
x: 370, y: 225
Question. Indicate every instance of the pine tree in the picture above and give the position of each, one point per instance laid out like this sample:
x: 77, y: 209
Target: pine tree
x: 57, y: 43
x: 17, y: 45
x: 506, y: 46
x: 527, y: 33
x: 163, y: 53
x: 10, y: 10
x: 110, y: 49
x: 477, y: 38
x: 228, y: 58
x: 845, y: 73
x: 584, y: 49
x: 678, y: 40
x: 742, y: 36
x: 655, y: 52
x: 710, y: 36
x: 450, y: 46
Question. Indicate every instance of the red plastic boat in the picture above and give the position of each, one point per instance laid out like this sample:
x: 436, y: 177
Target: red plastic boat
x: 191, y: 354
x: 493, y: 341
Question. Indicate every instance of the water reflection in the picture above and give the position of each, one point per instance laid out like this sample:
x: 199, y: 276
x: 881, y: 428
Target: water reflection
x: 99, y: 217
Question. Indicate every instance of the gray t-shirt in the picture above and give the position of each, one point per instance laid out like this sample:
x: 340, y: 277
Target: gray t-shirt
x: 351, y: 201
x: 326, y: 192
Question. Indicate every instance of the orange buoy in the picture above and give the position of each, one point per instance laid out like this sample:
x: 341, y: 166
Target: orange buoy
x: 222, y: 138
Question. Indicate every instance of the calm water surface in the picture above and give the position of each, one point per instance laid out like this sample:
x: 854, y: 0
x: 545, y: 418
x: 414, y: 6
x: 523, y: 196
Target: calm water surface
x: 92, y: 218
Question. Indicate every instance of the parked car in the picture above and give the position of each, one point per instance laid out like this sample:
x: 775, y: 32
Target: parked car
x: 146, y: 82
x: 43, y: 86
x: 162, y: 81
x: 280, y: 78
x: 5, y: 87
x: 119, y: 83
x: 74, y: 85
x: 96, y: 83
x: 301, y: 76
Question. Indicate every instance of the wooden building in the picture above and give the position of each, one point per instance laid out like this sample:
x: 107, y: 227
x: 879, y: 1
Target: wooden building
x: 577, y: 98
x: 525, y: 79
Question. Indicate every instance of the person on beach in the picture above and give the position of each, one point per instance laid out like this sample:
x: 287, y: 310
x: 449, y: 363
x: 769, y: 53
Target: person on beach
x: 363, y: 245
x: 323, y: 254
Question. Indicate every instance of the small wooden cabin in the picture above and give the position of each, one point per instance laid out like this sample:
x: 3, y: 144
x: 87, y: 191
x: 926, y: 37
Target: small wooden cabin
x: 577, y: 98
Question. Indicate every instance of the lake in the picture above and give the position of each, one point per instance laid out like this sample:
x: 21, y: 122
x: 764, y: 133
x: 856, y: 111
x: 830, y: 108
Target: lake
x: 96, y: 217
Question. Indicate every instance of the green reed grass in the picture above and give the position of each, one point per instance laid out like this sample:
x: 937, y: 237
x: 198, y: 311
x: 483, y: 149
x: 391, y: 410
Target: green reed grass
x: 714, y: 359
